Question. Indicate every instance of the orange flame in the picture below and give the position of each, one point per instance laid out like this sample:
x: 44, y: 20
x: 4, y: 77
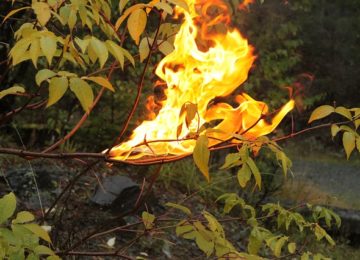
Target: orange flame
x: 210, y: 60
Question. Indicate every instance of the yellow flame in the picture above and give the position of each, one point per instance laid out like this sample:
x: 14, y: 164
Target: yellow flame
x: 210, y: 60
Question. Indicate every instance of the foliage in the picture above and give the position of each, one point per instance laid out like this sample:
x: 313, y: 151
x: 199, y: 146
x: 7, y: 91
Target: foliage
x: 20, y: 238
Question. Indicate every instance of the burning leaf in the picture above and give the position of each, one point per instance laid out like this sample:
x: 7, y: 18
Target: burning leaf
x: 321, y: 112
x: 136, y: 24
x: 201, y: 155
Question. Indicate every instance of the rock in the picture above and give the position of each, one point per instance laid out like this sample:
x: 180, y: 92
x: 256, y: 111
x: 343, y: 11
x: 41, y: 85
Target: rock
x: 116, y: 192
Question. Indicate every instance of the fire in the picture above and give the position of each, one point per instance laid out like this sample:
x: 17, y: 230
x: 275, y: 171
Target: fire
x: 211, y: 59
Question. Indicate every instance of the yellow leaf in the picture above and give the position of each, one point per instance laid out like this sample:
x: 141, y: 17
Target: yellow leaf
x: 18, y: 52
x: 344, y: 112
x: 39, y: 231
x: 321, y: 112
x: 122, y: 4
x: 181, y: 3
x: 127, y: 13
x: 100, y: 50
x: 48, y: 46
x: 57, y: 88
x: 349, y: 143
x: 43, y: 75
x: 278, y: 245
x: 255, y: 171
x: 201, y: 155
x: 116, y: 51
x: 334, y: 130
x: 191, y: 110
x: 42, y: 11
x: 83, y: 44
x: 164, y: 6
x: 11, y: 91
x: 244, y: 175
x: 72, y: 19
x: 83, y: 92
x: 136, y: 24
x: 165, y: 47
x: 101, y: 81
x: 144, y: 48
x: 358, y: 144
x: 291, y: 248
x: 35, y: 51
x: 12, y: 12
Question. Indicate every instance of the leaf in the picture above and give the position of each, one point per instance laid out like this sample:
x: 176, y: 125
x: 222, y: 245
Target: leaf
x: 100, y: 50
x: 12, y: 12
x: 83, y: 92
x: 254, y: 245
x: 48, y: 47
x: 278, y: 246
x: 122, y: 4
x: 255, y: 171
x: 7, y: 207
x: 116, y: 51
x: 344, y: 112
x: 291, y: 248
x: 35, y: 51
x: 57, y: 89
x: 321, y: 112
x: 201, y: 155
x: 191, y: 110
x: 231, y: 159
x: 23, y: 217
x: 358, y: 144
x: 165, y: 47
x: 144, y: 48
x: 42, y: 11
x: 183, y: 4
x: 244, y: 175
x: 148, y: 220
x: 182, y: 229
x: 111, y: 242
x: 214, y: 225
x: 11, y: 91
x: 184, y: 209
x: 43, y: 250
x: 101, y: 81
x: 164, y: 6
x: 334, y: 130
x: 207, y: 246
x: 43, y: 75
x: 136, y: 24
x: 37, y: 230
x: 83, y: 44
x: 349, y: 143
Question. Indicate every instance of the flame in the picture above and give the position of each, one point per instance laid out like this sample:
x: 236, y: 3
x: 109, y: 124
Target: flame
x: 211, y: 59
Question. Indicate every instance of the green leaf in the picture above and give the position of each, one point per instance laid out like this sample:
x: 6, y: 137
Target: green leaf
x: 255, y: 171
x: 43, y: 75
x: 43, y: 250
x: 11, y: 91
x: 201, y: 155
x: 184, y: 209
x: 148, y: 220
x: 321, y: 112
x: 244, y: 175
x: 100, y: 50
x: 214, y: 225
x: 48, y: 47
x: 104, y: 82
x: 57, y: 89
x: 254, y: 244
x: 136, y: 24
x: 83, y: 92
x: 39, y: 231
x: 344, y: 112
x: 349, y: 143
x: 291, y: 248
x: 231, y: 159
x: 42, y: 11
x: 23, y: 217
x: 7, y: 207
